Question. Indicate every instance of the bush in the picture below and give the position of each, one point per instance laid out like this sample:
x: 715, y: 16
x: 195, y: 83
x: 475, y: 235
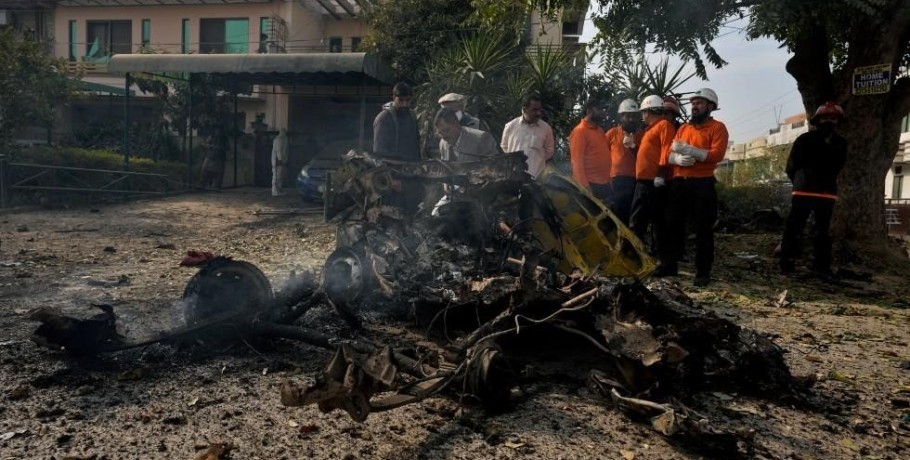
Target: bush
x: 95, y: 159
x: 759, y: 206
x: 147, y: 140
x: 88, y: 159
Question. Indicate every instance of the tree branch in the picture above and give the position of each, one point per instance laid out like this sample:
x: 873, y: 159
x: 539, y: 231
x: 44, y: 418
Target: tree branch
x: 809, y: 66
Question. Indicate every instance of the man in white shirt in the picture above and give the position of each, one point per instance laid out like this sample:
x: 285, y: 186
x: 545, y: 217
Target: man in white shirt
x: 531, y: 135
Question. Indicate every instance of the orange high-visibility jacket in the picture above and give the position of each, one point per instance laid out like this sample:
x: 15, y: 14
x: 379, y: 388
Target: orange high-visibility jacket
x: 590, y: 154
x: 622, y: 159
x: 655, y: 145
x: 711, y: 135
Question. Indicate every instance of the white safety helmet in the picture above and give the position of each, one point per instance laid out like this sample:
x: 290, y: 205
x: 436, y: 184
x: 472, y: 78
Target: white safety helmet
x: 652, y: 102
x: 708, y: 94
x: 628, y: 106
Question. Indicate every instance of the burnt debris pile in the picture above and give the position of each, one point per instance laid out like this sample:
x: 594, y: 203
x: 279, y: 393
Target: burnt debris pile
x: 477, y: 255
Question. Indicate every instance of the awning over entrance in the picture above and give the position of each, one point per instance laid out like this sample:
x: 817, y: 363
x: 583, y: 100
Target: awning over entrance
x: 338, y: 69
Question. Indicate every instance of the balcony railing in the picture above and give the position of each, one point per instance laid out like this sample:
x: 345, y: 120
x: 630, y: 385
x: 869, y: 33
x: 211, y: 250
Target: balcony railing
x: 87, y: 67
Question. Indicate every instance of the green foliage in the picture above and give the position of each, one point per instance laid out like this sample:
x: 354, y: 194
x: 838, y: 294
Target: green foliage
x: 740, y: 204
x: 411, y: 34
x: 764, y: 169
x: 479, y: 66
x: 679, y: 27
x: 211, y: 100
x: 32, y: 81
x: 557, y: 77
x: 512, y: 14
x: 641, y: 79
x: 755, y: 184
x: 495, y: 73
x: 147, y: 140
x: 407, y: 34
x: 686, y: 29
x: 94, y: 159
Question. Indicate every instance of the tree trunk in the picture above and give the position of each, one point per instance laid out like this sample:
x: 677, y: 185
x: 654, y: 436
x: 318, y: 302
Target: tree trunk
x: 872, y: 143
x: 872, y: 126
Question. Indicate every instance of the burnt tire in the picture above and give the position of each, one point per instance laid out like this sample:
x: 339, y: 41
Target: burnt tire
x: 226, y: 287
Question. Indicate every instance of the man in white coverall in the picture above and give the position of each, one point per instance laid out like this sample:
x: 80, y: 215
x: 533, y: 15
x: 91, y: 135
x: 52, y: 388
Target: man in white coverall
x: 279, y: 160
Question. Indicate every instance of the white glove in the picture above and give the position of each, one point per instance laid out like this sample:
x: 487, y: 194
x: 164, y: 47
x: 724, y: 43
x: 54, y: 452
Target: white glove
x: 697, y: 153
x: 628, y: 140
x: 681, y: 159
x: 677, y: 146
x: 659, y: 182
x: 686, y: 149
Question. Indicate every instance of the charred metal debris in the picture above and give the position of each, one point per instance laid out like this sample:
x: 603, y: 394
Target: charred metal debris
x: 480, y: 259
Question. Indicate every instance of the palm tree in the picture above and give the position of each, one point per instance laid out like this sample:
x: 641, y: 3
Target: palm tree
x: 641, y: 78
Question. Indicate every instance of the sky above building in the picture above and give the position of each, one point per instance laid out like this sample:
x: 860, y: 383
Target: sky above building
x: 754, y: 89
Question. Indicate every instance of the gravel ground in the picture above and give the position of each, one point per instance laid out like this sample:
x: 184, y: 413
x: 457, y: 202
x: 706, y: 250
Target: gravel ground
x: 160, y: 402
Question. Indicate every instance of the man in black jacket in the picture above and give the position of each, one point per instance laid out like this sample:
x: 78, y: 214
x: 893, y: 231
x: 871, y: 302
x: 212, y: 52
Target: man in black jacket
x: 814, y: 163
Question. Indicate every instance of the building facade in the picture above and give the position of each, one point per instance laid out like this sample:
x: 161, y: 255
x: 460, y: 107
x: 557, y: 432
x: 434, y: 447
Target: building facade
x: 897, y: 181
x: 87, y: 33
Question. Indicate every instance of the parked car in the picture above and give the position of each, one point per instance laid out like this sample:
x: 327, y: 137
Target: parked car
x: 312, y: 177
x: 311, y: 180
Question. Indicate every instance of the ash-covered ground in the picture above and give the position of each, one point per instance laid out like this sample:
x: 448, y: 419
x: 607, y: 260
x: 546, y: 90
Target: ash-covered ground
x: 161, y: 402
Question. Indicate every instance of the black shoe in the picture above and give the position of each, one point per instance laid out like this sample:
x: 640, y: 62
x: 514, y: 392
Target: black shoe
x: 825, y: 274
x: 702, y: 280
x: 787, y: 268
x: 663, y: 270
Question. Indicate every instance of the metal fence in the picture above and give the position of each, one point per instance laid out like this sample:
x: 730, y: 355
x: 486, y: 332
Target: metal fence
x: 25, y: 177
x: 897, y: 216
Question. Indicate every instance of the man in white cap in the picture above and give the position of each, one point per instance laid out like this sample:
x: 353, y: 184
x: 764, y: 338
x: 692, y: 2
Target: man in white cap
x: 455, y: 103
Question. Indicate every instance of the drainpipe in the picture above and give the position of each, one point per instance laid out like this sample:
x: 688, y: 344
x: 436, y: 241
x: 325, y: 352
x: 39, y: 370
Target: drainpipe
x: 189, y: 133
x: 126, y: 120
x: 236, y: 135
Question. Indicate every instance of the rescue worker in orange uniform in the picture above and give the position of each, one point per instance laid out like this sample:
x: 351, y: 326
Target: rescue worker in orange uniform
x: 815, y: 161
x: 649, y: 175
x: 624, y: 140
x: 697, y: 148
x: 589, y: 152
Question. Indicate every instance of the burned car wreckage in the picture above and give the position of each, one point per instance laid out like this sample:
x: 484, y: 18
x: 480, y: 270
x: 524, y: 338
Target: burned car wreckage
x: 482, y: 260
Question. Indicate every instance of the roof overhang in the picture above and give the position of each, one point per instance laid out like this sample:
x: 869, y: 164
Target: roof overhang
x: 77, y: 3
x: 334, y: 69
x: 334, y: 8
x: 27, y: 4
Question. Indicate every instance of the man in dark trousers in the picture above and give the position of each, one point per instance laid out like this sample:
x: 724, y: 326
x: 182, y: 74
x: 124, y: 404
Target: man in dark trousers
x: 699, y: 145
x: 395, y: 137
x: 816, y: 159
x: 624, y: 140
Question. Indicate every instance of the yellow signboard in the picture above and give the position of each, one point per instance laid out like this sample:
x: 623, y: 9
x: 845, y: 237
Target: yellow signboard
x: 873, y: 79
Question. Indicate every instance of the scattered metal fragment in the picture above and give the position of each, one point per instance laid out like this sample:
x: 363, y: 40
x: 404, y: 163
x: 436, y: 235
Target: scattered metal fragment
x: 77, y: 336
